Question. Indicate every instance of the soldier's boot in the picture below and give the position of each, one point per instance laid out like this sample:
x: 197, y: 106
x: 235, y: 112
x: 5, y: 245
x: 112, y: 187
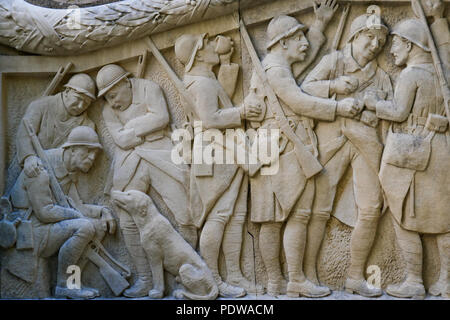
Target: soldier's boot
x: 442, y: 286
x: 315, y: 235
x: 269, y: 243
x: 407, y: 289
x: 411, y: 248
x: 307, y: 289
x: 82, y: 293
x: 210, y: 243
x: 232, y: 246
x: 70, y: 254
x: 294, y: 242
x: 360, y: 246
x: 227, y: 290
x: 142, y: 285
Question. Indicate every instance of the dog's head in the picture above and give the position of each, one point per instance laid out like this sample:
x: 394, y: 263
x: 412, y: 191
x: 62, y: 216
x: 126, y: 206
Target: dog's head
x: 134, y: 202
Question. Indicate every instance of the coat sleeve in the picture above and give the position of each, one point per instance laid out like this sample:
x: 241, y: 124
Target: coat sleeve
x: 124, y: 138
x: 289, y: 92
x: 207, y: 107
x: 317, y: 83
x: 156, y: 116
x: 316, y: 40
x: 399, y: 108
x: 41, y: 200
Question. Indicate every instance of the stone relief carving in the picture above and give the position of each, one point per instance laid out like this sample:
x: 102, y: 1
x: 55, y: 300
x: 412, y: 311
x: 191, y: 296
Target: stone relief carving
x: 102, y: 200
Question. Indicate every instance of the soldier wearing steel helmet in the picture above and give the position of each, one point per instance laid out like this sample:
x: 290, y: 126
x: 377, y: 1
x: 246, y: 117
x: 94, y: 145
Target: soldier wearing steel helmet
x: 355, y: 143
x: 274, y: 201
x: 218, y: 191
x: 416, y: 186
x: 53, y: 117
x: 56, y: 229
x: 137, y: 118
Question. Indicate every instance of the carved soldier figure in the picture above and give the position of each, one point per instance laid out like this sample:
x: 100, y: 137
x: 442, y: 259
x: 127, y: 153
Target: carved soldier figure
x: 136, y: 116
x: 53, y: 117
x: 350, y: 142
x: 288, y: 194
x: 218, y: 191
x: 57, y: 229
x: 416, y: 161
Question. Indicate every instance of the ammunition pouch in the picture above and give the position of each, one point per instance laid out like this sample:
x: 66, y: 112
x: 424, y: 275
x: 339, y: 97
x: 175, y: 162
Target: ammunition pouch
x: 408, y: 151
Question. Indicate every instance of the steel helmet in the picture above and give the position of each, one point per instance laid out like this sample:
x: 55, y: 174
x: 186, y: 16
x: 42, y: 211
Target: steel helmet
x: 366, y: 22
x: 282, y: 27
x: 82, y: 83
x: 186, y: 48
x: 83, y: 136
x: 108, y: 76
x: 412, y: 30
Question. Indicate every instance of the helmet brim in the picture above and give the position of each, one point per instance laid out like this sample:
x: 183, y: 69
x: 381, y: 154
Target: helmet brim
x: 112, y: 84
x: 84, y: 144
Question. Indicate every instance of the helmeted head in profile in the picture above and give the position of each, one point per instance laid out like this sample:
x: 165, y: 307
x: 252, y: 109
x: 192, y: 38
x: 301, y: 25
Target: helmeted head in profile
x: 113, y: 83
x: 82, y: 146
x: 409, y: 40
x: 286, y: 35
x: 79, y: 93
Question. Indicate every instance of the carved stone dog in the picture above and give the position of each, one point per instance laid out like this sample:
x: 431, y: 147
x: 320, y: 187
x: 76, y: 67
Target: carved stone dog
x: 167, y: 250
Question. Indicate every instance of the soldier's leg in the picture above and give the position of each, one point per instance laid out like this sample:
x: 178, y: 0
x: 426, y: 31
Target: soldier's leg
x: 442, y: 286
x: 368, y: 200
x: 141, y: 182
x: 411, y: 247
x: 269, y: 244
x: 70, y: 238
x: 326, y: 185
x: 294, y: 241
x: 232, y: 243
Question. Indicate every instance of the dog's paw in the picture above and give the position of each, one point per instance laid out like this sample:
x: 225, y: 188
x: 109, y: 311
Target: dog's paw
x: 155, y: 294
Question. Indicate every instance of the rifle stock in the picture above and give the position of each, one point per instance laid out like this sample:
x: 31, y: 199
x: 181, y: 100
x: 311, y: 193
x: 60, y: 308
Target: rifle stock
x: 417, y: 8
x: 310, y: 165
x: 62, y: 71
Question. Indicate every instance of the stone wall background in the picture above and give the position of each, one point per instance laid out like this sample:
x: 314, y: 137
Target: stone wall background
x: 334, y: 257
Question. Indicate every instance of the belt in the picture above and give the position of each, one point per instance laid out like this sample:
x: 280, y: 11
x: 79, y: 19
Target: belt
x: 434, y: 122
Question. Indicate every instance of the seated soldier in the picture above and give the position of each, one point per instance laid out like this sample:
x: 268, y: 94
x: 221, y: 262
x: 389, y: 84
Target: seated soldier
x: 58, y: 229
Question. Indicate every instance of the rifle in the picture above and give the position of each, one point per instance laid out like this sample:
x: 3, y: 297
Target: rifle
x: 142, y: 63
x: 60, y: 74
x: 115, y: 280
x: 172, y: 75
x: 310, y: 165
x: 340, y: 29
x: 417, y: 8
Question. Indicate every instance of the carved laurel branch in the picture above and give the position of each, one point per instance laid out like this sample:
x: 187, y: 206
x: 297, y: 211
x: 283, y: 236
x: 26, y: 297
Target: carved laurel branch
x: 46, y: 31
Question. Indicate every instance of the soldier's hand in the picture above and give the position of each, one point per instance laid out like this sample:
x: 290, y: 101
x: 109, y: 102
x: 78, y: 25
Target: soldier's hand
x: 371, y: 97
x: 348, y: 108
x: 32, y: 166
x: 324, y: 10
x: 250, y: 111
x: 344, y: 85
x: 108, y: 222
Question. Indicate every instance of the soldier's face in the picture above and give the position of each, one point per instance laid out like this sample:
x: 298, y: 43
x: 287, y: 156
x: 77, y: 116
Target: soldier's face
x: 208, y: 53
x: 400, y: 50
x: 368, y: 43
x: 297, y: 45
x: 82, y: 158
x: 121, y: 95
x: 76, y: 103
